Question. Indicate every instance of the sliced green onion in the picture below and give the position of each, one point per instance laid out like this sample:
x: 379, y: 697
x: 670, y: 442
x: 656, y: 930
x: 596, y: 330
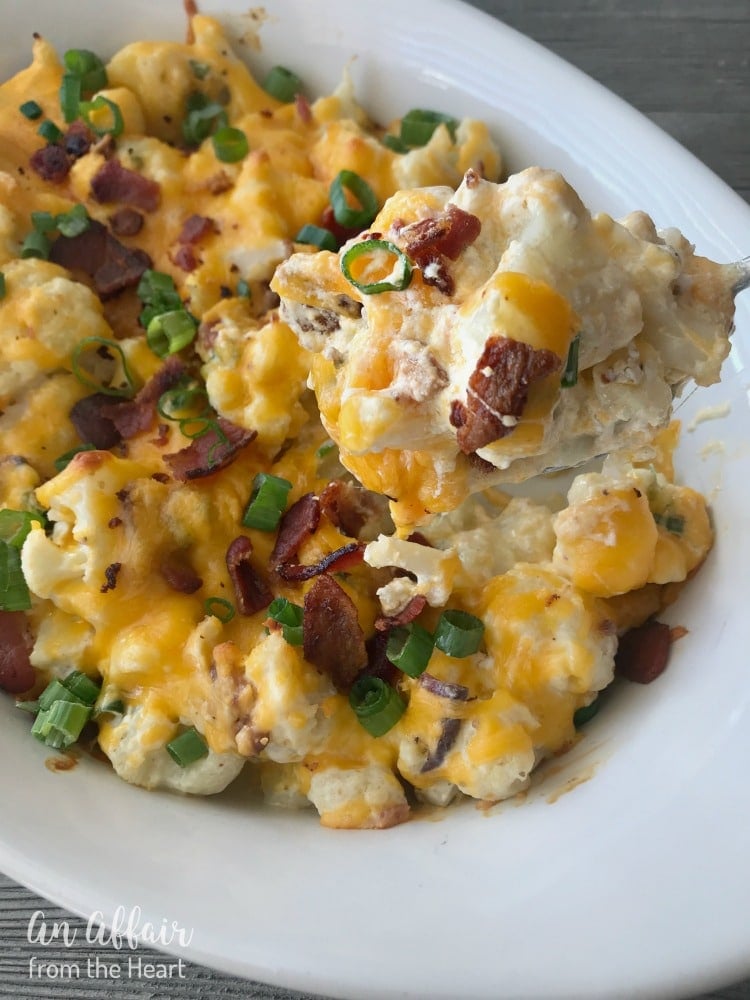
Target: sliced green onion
x: 70, y: 96
x: 230, y: 144
x: 49, y: 131
x: 90, y: 112
x: 410, y: 648
x: 458, y: 633
x: 377, y: 705
x: 116, y: 707
x: 395, y: 282
x: 219, y: 608
x: 2, y: 285
x: 570, y: 375
x: 64, y: 460
x: 35, y: 244
x: 90, y: 343
x: 82, y: 687
x: 203, y: 116
x: 31, y: 110
x: 43, y: 222
x: 183, y: 402
x: 200, y: 70
x: 87, y: 67
x: 32, y: 707
x: 289, y: 616
x: 243, y: 289
x: 317, y: 236
x: 325, y: 449
x: 60, y: 725
x: 418, y: 126
x: 267, y: 502
x: 196, y: 427
x: 15, y: 525
x: 187, y: 748
x: 675, y: 523
x: 170, y: 332
x: 57, y: 690
x: 73, y: 222
x: 14, y: 593
x: 158, y: 293
x: 282, y: 84
x: 345, y: 215
x: 395, y: 143
x: 582, y: 715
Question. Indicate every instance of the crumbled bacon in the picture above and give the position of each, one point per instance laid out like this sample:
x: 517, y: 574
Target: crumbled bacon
x: 251, y: 590
x: 643, y: 652
x: 77, y: 140
x: 338, y: 561
x: 297, y: 525
x: 304, y: 110
x: 351, y: 508
x: 449, y: 729
x: 499, y: 387
x: 96, y: 252
x: 179, y: 574
x: 447, y: 235
x: 93, y: 424
x: 126, y: 222
x: 185, y: 258
x: 332, y: 636
x: 111, y: 574
x: 411, y: 610
x: 444, y: 689
x: 195, y: 228
x: 210, y: 452
x: 378, y: 664
x: 132, y: 416
x: 114, y: 183
x: 51, y: 163
x: 16, y: 672
x: 341, y: 233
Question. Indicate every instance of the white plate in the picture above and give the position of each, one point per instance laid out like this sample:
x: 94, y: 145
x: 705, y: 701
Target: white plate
x: 637, y: 880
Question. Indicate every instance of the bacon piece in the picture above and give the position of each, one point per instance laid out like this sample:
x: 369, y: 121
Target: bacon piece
x: 351, y: 508
x: 448, y: 732
x: 16, y: 672
x: 333, y: 640
x: 297, y: 525
x: 499, y: 387
x: 251, y: 590
x: 114, y: 183
x: 110, y: 264
x: 378, y: 664
x: 303, y: 108
x: 185, y: 258
x: 195, y: 228
x: 111, y: 574
x: 643, y: 652
x: 445, y: 235
x: 341, y: 233
x: 134, y: 415
x: 78, y: 140
x: 210, y: 452
x: 419, y: 539
x: 337, y: 561
x: 93, y: 424
x: 411, y: 610
x: 126, y: 222
x: 179, y: 574
x: 51, y: 163
x: 444, y: 689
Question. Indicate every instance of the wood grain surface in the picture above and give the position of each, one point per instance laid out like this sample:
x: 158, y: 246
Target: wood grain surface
x: 685, y: 64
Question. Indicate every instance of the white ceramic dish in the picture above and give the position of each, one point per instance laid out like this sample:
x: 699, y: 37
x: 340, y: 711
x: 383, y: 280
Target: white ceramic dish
x: 637, y: 881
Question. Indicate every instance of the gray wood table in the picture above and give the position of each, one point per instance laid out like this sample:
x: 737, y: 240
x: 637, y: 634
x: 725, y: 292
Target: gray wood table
x: 684, y: 63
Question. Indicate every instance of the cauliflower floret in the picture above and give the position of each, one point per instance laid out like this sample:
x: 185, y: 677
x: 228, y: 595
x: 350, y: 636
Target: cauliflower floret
x: 358, y: 798
x: 136, y: 745
x: 435, y: 571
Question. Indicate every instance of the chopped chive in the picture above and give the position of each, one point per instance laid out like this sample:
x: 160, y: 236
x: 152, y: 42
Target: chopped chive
x: 187, y: 748
x: 49, y: 131
x: 395, y: 143
x: 410, y: 648
x: 35, y: 244
x: 377, y: 705
x: 345, y: 215
x: 97, y: 344
x: 202, y: 118
x: 267, y: 502
x: 82, y: 687
x: 116, y: 707
x: 15, y: 525
x: 289, y: 616
x: 219, y: 608
x: 187, y: 402
x: 73, y: 222
x: 64, y: 460
x: 70, y: 96
x: 570, y: 375
x: 675, y: 523
x: 458, y: 633
x: 325, y: 449
x: 243, y: 289
x: 282, y: 84
x: 230, y: 144
x: 14, y: 593
x: 200, y: 70
x: 401, y: 271
x: 418, y: 126
x: 32, y: 707
x: 56, y: 690
x: 31, y: 110
x: 317, y: 236
x: 60, y: 725
x: 2, y: 285
x: 158, y: 293
x: 582, y: 715
x: 43, y: 222
x: 110, y: 123
x: 87, y: 67
x: 170, y: 332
